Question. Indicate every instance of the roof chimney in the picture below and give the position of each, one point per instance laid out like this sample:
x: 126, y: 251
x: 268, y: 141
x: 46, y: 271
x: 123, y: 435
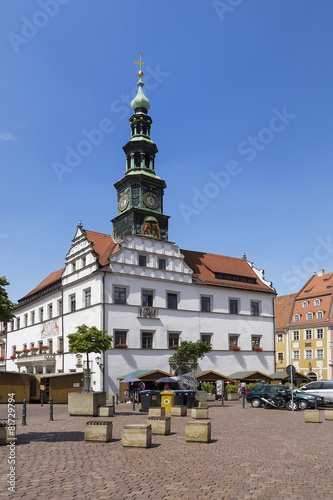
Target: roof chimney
x: 321, y: 272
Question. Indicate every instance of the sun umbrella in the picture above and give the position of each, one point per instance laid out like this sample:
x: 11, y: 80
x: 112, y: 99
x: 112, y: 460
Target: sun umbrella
x: 167, y: 379
x: 131, y: 379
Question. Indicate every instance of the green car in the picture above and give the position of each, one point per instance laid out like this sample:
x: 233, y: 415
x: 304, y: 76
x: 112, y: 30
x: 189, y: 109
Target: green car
x: 304, y: 400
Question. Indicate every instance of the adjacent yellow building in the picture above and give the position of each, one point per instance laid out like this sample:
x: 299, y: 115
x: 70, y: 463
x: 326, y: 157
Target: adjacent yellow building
x: 304, y: 328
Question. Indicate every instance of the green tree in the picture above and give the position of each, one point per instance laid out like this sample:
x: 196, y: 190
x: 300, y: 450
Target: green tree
x: 6, y: 306
x: 188, y: 353
x: 87, y: 340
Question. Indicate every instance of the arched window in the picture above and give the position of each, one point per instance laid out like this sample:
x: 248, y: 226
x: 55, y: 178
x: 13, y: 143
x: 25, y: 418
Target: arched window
x: 309, y: 316
x: 320, y: 315
x: 305, y: 304
x: 296, y: 318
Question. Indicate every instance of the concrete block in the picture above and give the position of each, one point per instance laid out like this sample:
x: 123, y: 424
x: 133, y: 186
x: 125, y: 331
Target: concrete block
x: 198, y: 431
x: 137, y: 435
x: 85, y: 403
x: 202, y: 404
x: 328, y: 414
x: 98, y: 430
x: 199, y: 413
x: 6, y: 436
x: 311, y: 416
x: 105, y: 411
x: 160, y: 425
x: 158, y: 411
x: 178, y: 411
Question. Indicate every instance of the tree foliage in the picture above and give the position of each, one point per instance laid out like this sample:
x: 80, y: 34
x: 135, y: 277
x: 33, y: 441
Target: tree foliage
x: 189, y: 353
x: 6, y: 306
x: 87, y: 340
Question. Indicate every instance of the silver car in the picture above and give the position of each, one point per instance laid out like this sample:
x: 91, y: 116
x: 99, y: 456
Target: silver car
x: 322, y: 388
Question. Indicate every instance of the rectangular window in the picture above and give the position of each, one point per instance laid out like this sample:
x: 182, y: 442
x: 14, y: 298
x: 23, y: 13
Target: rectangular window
x: 205, y: 304
x: 280, y: 356
x: 83, y: 262
x: 254, y: 308
x: 172, y: 300
x: 87, y: 298
x: 147, y: 340
x: 135, y: 196
x: 161, y: 264
x: 296, y: 335
x: 60, y: 307
x: 256, y: 341
x: 60, y: 344
x: 50, y: 344
x: 142, y: 260
x: 25, y: 320
x: 295, y: 354
x: 120, y: 338
x: 320, y: 333
x: 173, y: 340
x: 12, y: 323
x: 233, y: 306
x: 207, y: 338
x: 308, y: 353
x: 280, y: 337
x: 72, y: 302
x: 233, y: 340
x: 320, y: 353
x: 147, y: 298
x: 41, y: 314
x: 50, y: 311
x: 119, y: 295
x: 18, y: 323
x: 32, y: 317
x: 308, y: 334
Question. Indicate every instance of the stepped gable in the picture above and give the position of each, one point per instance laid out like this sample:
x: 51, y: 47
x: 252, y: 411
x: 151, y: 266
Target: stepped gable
x: 50, y: 280
x: 283, y: 310
x: 103, y: 244
x: 219, y: 270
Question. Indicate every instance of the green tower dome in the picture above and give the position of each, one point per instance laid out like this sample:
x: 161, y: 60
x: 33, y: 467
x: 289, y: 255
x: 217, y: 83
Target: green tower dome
x: 140, y: 100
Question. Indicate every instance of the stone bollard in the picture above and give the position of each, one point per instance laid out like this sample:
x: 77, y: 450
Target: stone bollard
x: 105, y: 411
x: 200, y: 413
x: 312, y: 416
x: 160, y: 425
x: 158, y: 411
x: 137, y: 435
x: 98, y: 430
x: 198, y: 431
x: 328, y: 414
x: 178, y: 411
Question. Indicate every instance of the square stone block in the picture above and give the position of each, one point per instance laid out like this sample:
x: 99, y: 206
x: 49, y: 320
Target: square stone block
x: 160, y: 425
x: 105, y: 411
x: 98, y: 431
x: 328, y: 414
x: 158, y: 411
x: 137, y: 435
x: 6, y: 436
x: 202, y: 404
x: 85, y: 403
x: 198, y: 431
x: 178, y: 411
x: 200, y: 413
x: 311, y: 416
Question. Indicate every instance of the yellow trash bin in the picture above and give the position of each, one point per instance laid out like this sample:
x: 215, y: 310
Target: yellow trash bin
x: 167, y: 398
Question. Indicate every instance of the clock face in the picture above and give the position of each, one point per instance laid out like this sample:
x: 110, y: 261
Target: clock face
x: 123, y: 202
x: 150, y: 200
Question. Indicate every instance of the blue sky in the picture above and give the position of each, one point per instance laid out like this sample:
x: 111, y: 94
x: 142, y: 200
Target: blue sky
x: 241, y: 102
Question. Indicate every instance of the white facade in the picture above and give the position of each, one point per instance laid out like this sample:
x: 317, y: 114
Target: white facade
x: 142, y: 306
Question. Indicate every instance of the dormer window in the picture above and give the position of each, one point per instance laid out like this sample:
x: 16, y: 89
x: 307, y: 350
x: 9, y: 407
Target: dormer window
x: 320, y: 315
x: 297, y: 318
x: 309, y: 316
x: 305, y: 304
x: 317, y: 302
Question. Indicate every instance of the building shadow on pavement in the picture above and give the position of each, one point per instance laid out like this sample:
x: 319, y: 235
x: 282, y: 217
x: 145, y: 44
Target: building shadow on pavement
x: 49, y: 437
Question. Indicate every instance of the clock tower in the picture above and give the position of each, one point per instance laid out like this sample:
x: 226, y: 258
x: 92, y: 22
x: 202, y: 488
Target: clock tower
x: 140, y: 191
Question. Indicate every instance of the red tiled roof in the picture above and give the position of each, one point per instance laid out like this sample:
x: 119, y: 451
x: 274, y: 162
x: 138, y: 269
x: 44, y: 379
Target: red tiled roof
x: 205, y: 265
x: 103, y: 244
x: 50, y: 280
x: 283, y: 310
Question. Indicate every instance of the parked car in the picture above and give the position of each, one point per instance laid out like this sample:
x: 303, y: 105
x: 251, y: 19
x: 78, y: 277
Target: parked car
x: 322, y: 388
x: 304, y: 399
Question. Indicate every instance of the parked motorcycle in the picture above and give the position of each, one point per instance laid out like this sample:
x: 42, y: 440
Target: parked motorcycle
x: 283, y: 400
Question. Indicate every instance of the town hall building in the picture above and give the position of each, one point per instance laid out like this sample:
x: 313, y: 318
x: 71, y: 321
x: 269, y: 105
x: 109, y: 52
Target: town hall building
x: 144, y: 290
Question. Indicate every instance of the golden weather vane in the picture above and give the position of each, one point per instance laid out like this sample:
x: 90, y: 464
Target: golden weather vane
x: 141, y: 63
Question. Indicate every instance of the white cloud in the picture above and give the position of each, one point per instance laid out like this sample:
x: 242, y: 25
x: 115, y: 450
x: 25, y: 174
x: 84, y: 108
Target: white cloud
x: 6, y: 136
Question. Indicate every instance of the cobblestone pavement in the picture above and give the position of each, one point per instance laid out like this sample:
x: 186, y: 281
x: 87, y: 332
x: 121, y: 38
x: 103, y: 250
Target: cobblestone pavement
x: 254, y: 454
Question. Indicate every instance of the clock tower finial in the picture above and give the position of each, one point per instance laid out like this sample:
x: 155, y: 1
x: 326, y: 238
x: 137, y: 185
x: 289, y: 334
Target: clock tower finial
x: 140, y: 190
